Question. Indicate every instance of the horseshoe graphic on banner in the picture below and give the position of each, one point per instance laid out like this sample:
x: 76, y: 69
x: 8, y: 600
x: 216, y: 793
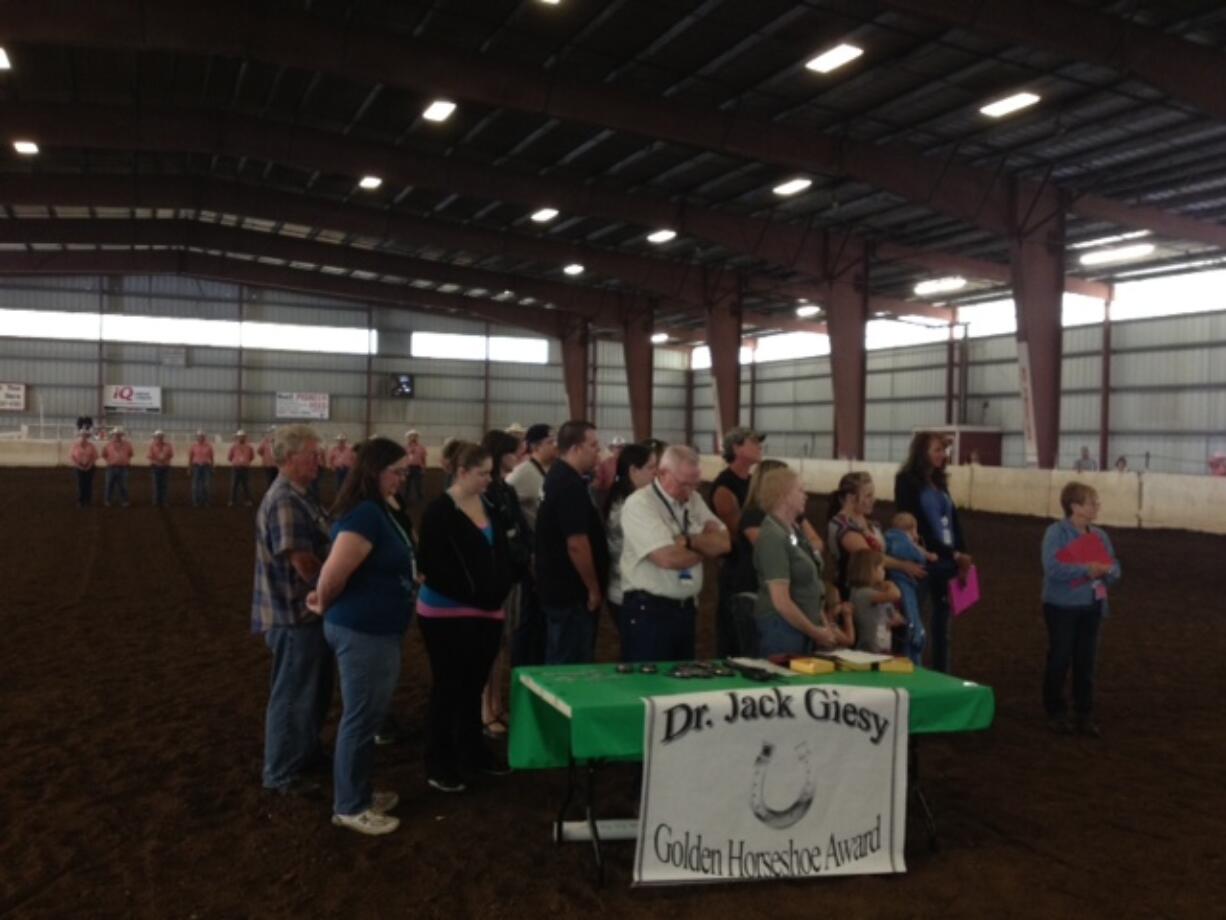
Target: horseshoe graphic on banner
x: 785, y: 817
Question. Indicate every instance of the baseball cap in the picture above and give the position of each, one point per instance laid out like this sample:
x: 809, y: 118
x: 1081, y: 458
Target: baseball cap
x: 200, y: 433
x: 516, y: 429
x: 538, y: 433
x: 618, y: 441
x: 410, y: 433
x: 240, y: 433
x: 159, y: 433
x: 341, y: 437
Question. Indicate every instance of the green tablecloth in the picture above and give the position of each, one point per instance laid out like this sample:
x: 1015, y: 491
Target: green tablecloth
x: 592, y: 712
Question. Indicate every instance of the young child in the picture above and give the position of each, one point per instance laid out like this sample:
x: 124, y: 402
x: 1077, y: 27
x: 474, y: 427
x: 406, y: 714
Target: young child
x: 873, y: 599
x: 1074, y: 605
x: 902, y: 541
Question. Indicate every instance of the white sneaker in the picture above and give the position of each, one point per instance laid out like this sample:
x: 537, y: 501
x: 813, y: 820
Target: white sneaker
x: 367, y: 822
x: 383, y: 802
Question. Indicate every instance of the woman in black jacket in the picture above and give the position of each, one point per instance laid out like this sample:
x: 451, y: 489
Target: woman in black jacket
x: 466, y: 564
x: 921, y: 488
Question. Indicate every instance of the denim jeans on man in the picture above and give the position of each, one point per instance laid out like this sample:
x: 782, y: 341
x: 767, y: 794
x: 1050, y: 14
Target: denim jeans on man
x: 570, y: 634
x: 85, y: 487
x: 239, y: 481
x: 369, y: 667
x: 656, y: 628
x: 298, y: 703
x: 161, y: 477
x: 1072, y: 638
x: 116, y: 481
x: 202, y: 484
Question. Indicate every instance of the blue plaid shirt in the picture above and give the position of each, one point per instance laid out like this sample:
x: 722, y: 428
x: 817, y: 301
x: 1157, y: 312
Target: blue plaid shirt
x: 288, y: 522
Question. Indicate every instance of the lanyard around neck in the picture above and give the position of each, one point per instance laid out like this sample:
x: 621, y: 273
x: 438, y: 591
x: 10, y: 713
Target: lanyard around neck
x: 684, y: 521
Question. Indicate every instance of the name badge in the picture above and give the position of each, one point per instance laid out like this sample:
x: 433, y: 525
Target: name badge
x: 685, y: 575
x: 1100, y: 591
x: 795, y: 542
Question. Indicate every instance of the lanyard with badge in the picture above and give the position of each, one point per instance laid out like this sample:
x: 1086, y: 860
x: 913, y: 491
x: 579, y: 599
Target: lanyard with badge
x: 408, y: 545
x: 683, y: 523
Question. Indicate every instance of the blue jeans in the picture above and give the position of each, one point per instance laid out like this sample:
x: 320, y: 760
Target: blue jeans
x: 776, y: 636
x: 161, y: 475
x: 116, y: 481
x: 239, y: 481
x: 85, y: 487
x: 570, y: 634
x: 369, y: 666
x: 202, y: 484
x: 1072, y: 638
x: 656, y: 628
x: 298, y: 702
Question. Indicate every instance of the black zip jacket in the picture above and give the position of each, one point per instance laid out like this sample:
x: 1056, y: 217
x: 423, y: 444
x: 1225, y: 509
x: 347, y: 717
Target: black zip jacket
x: 458, y: 561
x: 907, y: 490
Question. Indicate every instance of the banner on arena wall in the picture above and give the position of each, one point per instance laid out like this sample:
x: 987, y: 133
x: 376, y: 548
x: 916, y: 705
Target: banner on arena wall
x: 12, y: 397
x: 302, y: 405
x: 122, y: 397
x: 779, y: 782
x: 1026, y: 383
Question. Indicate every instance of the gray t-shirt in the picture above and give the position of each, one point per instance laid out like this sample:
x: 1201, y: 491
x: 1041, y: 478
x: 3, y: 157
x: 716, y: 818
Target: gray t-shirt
x: 872, y: 622
x: 781, y: 554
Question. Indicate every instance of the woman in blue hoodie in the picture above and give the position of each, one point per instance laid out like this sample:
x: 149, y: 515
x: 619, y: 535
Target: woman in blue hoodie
x: 1074, y: 605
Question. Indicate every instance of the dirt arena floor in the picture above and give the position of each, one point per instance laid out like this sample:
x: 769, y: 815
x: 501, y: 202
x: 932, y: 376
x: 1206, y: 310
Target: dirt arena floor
x: 131, y: 708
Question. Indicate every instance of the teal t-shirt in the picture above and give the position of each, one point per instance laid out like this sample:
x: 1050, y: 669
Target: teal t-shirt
x: 378, y: 598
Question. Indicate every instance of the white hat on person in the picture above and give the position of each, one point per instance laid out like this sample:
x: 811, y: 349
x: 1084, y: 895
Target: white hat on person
x: 159, y: 433
x: 412, y: 432
x: 240, y: 433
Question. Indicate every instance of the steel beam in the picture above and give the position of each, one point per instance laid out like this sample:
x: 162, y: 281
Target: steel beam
x: 576, y: 338
x: 640, y: 370
x: 1185, y: 70
x: 724, y: 341
x: 1037, y: 253
x: 846, y: 316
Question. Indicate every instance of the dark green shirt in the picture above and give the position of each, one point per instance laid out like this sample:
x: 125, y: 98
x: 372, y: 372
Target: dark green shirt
x: 784, y: 554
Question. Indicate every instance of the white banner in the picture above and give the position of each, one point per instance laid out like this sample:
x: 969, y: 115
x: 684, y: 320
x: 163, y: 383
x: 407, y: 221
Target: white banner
x: 12, y: 397
x: 1030, y: 437
x: 121, y: 397
x: 780, y: 782
x: 302, y: 405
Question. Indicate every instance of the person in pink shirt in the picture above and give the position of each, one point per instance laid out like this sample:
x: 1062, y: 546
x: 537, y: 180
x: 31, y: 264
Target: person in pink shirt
x: 84, y: 457
x: 241, y: 456
x: 200, y: 459
x: 417, y: 463
x: 118, y: 457
x: 340, y: 460
x: 159, y: 457
x: 266, y: 455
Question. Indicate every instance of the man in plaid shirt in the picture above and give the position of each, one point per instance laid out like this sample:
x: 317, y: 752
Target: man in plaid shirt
x: 291, y: 542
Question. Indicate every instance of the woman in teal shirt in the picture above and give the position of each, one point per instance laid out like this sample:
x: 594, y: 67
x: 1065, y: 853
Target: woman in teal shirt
x: 365, y: 595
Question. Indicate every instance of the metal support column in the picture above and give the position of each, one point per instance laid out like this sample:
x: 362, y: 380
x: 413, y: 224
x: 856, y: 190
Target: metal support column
x: 575, y: 368
x: 640, y: 369
x: 724, y: 341
x: 846, y: 315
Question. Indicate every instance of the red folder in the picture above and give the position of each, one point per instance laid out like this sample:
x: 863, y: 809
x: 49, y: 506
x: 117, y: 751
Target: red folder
x: 1085, y: 549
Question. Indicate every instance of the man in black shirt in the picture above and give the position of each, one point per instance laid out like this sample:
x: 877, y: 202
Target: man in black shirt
x: 572, y: 553
x: 742, y: 450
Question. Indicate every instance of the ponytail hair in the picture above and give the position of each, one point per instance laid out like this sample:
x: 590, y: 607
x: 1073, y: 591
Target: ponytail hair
x: 850, y: 484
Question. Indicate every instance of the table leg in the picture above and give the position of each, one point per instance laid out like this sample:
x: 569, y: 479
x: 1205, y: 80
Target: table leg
x: 917, y: 791
x: 590, y: 810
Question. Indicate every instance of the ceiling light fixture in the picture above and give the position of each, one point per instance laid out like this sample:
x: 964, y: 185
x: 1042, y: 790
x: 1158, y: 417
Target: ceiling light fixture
x: 834, y: 58
x: 573, y: 269
x: 940, y: 285
x: 1010, y: 104
x: 370, y: 183
x: 808, y: 310
x: 544, y: 215
x: 662, y: 236
x: 26, y: 148
x: 1105, y: 240
x: 659, y: 338
x: 792, y: 187
x: 5, y: 64
x: 438, y: 110
x: 1119, y: 254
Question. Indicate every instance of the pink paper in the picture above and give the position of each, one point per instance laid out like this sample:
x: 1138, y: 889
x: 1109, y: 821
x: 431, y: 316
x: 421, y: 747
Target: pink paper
x: 963, y: 597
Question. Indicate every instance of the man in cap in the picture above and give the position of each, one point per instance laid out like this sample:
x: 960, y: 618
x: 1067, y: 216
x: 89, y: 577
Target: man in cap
x: 118, y: 456
x: 340, y: 460
x: 161, y: 452
x: 416, y: 452
x: 84, y: 457
x: 200, y: 459
x: 241, y: 456
x: 742, y: 451
x: 528, y: 478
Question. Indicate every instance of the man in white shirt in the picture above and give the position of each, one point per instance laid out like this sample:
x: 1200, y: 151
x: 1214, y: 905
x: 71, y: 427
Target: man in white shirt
x: 668, y: 532
x: 528, y: 478
x: 525, y: 618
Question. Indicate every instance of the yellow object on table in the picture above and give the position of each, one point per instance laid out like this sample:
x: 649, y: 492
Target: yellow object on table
x: 811, y: 666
